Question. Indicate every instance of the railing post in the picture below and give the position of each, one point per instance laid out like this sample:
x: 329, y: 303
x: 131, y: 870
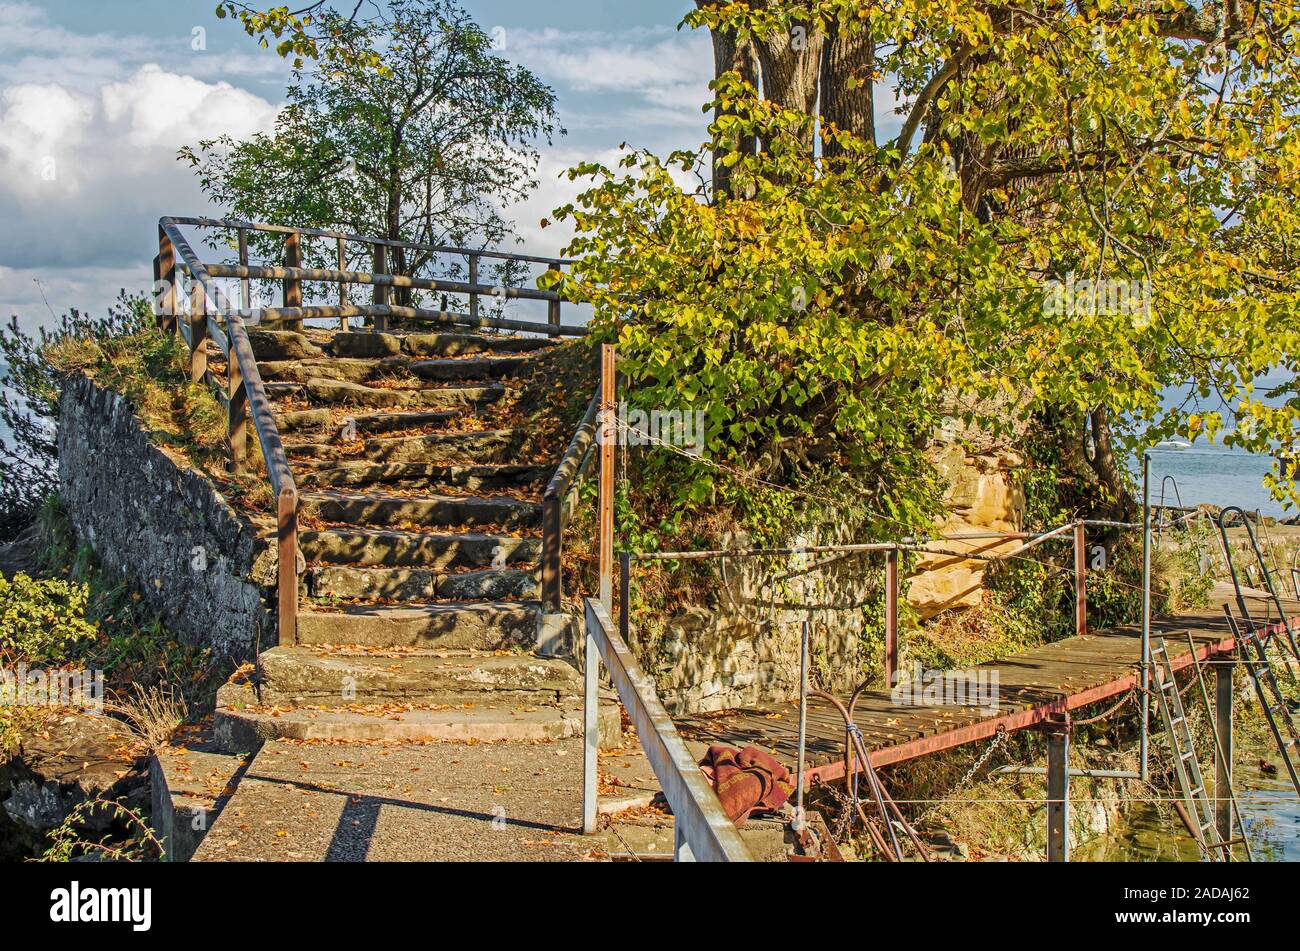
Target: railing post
x: 607, y: 431
x: 198, y: 333
x: 293, y: 287
x: 891, y: 616
x: 287, y: 522
x: 237, y: 417
x: 473, y: 279
x: 381, y: 290
x: 245, y: 285
x: 344, y: 324
x: 1080, y: 579
x: 552, y: 549
x: 553, y: 317
x: 167, y: 275
x: 590, y: 729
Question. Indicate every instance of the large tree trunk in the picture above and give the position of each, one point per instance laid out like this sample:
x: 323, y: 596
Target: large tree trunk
x: 847, y: 93
x: 792, y: 64
x: 732, y: 56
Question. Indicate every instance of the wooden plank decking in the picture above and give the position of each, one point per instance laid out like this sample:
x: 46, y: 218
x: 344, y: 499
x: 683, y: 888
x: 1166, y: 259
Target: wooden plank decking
x: 1065, y: 675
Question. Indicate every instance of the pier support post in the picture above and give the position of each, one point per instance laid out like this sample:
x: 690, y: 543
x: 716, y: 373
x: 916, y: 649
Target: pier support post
x: 891, y: 617
x: 1057, y: 730
x: 1223, y: 725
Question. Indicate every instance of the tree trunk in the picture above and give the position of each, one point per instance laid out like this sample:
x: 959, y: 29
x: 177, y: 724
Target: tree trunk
x: 1107, y: 466
x: 792, y: 64
x: 847, y: 92
x: 729, y: 56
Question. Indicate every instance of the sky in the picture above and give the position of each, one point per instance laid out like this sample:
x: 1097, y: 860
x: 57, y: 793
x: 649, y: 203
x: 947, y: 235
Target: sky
x: 96, y: 96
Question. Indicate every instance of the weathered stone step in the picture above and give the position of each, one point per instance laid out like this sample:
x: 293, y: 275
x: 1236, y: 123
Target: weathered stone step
x: 339, y: 369
x: 357, y: 508
x: 425, y: 476
x: 421, y: 584
x: 485, y: 625
x: 339, y: 392
x: 457, y: 345
x: 376, y: 423
x: 474, y: 368
x: 282, y: 345
x: 397, y: 549
x: 493, y: 445
x: 304, y: 421
x: 247, y: 729
x: 373, y: 346
x: 299, y: 676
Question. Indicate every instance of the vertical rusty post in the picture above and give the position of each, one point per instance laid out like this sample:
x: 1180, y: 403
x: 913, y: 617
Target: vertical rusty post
x: 473, y: 279
x: 237, y: 417
x: 625, y: 596
x: 1080, y: 579
x: 381, y: 290
x: 891, y: 616
x: 1058, y: 787
x: 287, y: 551
x: 245, y: 285
x: 292, y: 287
x: 344, y: 323
x: 1223, y: 752
x: 552, y: 550
x: 608, y: 433
x: 166, y: 275
x: 198, y: 333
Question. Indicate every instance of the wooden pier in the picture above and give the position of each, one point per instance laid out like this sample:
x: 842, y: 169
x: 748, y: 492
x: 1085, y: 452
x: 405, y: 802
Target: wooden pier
x: 1032, y: 687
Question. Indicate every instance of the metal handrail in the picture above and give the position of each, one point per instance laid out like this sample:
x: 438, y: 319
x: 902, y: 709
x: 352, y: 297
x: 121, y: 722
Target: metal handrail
x: 556, y: 511
x: 702, y: 830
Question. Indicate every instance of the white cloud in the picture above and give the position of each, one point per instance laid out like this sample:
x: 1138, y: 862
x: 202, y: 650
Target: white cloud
x: 86, y: 173
x: 666, y: 73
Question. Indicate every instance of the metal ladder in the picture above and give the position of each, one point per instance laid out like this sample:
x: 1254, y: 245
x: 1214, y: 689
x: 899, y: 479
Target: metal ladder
x: 1186, y: 766
x: 1254, y: 655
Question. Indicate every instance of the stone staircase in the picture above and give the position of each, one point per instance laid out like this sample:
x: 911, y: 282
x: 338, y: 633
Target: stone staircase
x: 420, y: 489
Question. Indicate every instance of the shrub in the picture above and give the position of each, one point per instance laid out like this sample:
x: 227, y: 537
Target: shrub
x: 42, y: 620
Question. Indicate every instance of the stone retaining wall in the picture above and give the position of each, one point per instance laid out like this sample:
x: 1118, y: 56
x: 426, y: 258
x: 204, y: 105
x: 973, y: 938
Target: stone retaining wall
x: 162, y: 527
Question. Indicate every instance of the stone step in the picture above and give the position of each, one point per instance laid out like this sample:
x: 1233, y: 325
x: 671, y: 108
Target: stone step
x: 356, y: 508
x: 341, y: 393
x: 304, y: 421
x: 247, y: 729
x: 484, y: 625
x: 474, y: 368
x: 377, y: 423
x: 459, y: 345
x: 492, y: 445
x: 303, y: 676
x: 282, y: 345
x: 426, y: 476
x: 337, y: 369
x: 421, y: 584
x: 398, y: 549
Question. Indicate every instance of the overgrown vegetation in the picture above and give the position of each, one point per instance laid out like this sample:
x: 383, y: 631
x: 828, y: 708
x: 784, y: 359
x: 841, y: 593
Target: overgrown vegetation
x: 125, y: 352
